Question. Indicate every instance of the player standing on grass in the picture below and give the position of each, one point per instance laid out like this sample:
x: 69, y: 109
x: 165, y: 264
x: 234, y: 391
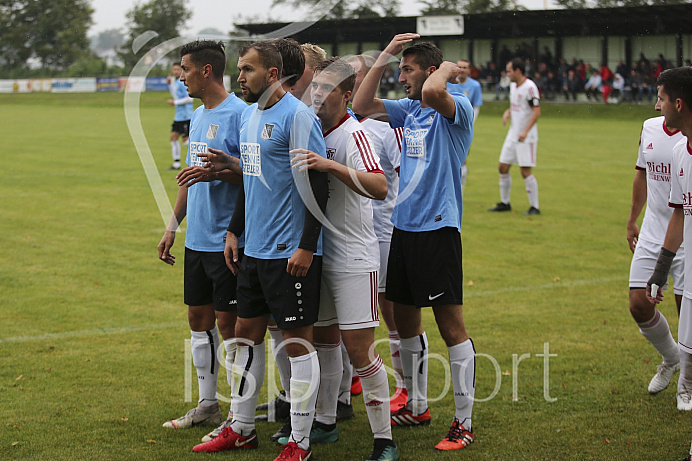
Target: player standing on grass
x: 522, y: 138
x: 208, y: 200
x: 348, y: 303
x: 652, y: 187
x: 675, y: 101
x: 280, y: 272
x: 424, y: 267
x: 183, y: 113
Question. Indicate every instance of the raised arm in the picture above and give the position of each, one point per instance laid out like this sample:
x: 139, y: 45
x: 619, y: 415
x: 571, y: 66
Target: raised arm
x: 435, y: 94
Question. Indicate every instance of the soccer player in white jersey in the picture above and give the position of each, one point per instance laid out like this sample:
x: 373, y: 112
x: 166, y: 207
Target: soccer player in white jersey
x: 387, y: 142
x: 522, y: 138
x: 207, y: 199
x: 280, y: 272
x: 313, y: 56
x: 183, y: 113
x: 675, y: 101
x: 652, y: 187
x: 424, y: 267
x: 351, y: 258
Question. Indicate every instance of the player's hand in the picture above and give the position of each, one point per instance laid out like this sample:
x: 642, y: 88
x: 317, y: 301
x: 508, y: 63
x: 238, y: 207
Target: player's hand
x: 654, y: 293
x: 230, y: 252
x: 171, y: 102
x: 397, y: 44
x: 632, y: 235
x: 522, y: 137
x: 452, y: 68
x: 299, y: 263
x: 165, y: 246
x: 193, y: 174
x: 505, y: 117
x: 307, y: 159
x: 218, y: 160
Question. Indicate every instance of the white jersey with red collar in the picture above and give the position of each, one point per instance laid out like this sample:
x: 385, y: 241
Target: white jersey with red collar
x: 523, y: 98
x: 351, y: 246
x: 387, y: 141
x: 681, y: 197
x: 655, y: 153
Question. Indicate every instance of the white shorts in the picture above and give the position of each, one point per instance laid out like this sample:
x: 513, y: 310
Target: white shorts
x: 685, y: 326
x: 519, y: 153
x: 349, y: 299
x: 384, y: 257
x: 644, y: 261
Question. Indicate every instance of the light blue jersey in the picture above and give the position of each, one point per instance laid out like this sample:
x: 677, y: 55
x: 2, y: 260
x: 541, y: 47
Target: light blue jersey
x: 183, y: 112
x: 210, y: 204
x: 433, y: 151
x: 274, y: 209
x: 470, y: 88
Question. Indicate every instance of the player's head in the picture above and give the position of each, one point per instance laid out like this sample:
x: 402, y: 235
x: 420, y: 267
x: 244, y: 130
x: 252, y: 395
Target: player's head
x: 176, y: 69
x: 418, y: 61
x: 292, y: 58
x: 463, y: 65
x: 675, y: 96
x: 515, y: 70
x: 361, y: 63
x: 260, y: 66
x: 313, y: 56
x: 201, y: 61
x: 331, y: 87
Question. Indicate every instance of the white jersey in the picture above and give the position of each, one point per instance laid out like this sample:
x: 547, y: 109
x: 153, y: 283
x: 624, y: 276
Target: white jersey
x: 352, y: 246
x: 523, y: 98
x: 681, y: 197
x: 655, y: 153
x: 387, y: 142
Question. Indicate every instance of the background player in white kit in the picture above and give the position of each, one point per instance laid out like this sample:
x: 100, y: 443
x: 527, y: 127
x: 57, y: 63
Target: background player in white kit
x: 652, y: 186
x: 351, y: 258
x: 522, y: 138
x: 675, y: 101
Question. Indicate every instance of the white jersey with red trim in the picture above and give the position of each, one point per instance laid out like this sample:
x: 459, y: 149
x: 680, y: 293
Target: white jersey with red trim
x: 387, y: 141
x: 523, y: 98
x: 352, y: 245
x: 681, y: 197
x: 656, y: 144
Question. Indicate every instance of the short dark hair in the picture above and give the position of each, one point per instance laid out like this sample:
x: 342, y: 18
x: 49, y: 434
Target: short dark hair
x: 425, y: 54
x: 677, y: 84
x: 268, y: 54
x: 517, y: 63
x: 293, y: 59
x: 203, y: 52
x: 342, y: 69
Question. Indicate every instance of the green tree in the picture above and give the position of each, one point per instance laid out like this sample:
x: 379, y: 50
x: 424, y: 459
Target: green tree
x: 164, y: 17
x: 52, y: 31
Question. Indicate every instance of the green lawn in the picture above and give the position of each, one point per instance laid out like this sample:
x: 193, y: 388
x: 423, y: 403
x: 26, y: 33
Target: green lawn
x: 92, y: 351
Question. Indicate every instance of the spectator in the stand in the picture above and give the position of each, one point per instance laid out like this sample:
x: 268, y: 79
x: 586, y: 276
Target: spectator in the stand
x: 502, y: 86
x: 636, y: 81
x: 621, y: 69
x: 551, y: 85
x: 493, y: 76
x: 388, y: 82
x: 618, y: 88
x: 688, y: 63
x: 547, y: 57
x: 593, y: 86
x: 606, y: 82
x: 572, y: 85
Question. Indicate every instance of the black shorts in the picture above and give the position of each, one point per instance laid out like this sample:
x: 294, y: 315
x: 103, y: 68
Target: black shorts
x: 264, y: 287
x: 424, y: 268
x: 208, y: 280
x: 182, y: 127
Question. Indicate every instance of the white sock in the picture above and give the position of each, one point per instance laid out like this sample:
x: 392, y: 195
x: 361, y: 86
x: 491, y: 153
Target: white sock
x: 204, y: 345
x: 505, y: 187
x: 462, y: 358
x: 394, y: 344
x: 305, y: 380
x: 248, y: 377
x: 464, y: 175
x: 346, y: 375
x: 331, y: 372
x: 685, y: 379
x: 414, y: 362
x: 231, y: 347
x: 175, y: 151
x: 376, y: 397
x: 281, y: 358
x: 658, y: 333
x: 532, y: 190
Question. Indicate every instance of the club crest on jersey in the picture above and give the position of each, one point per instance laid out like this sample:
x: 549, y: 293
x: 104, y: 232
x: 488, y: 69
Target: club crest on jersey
x: 211, y: 132
x: 331, y: 152
x: 267, y: 131
x: 650, y: 146
x: 430, y: 120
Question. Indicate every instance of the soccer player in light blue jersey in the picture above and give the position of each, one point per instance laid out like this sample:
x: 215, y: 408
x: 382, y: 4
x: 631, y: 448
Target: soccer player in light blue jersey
x: 424, y: 267
x: 183, y: 113
x: 207, y: 199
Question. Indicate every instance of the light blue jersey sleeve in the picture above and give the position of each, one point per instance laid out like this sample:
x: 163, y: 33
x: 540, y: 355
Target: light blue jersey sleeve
x: 397, y: 110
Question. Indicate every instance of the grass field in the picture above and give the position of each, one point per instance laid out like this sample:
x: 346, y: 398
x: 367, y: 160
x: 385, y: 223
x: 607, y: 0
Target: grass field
x: 92, y: 348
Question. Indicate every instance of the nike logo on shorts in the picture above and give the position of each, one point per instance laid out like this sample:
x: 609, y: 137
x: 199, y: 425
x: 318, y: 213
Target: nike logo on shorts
x: 432, y: 298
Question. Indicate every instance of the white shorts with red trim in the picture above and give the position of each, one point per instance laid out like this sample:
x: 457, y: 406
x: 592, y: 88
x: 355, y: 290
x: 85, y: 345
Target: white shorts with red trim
x: 644, y: 261
x: 519, y: 153
x: 384, y: 257
x: 349, y: 299
x: 685, y: 326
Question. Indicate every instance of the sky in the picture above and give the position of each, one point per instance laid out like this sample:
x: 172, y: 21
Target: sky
x: 220, y: 14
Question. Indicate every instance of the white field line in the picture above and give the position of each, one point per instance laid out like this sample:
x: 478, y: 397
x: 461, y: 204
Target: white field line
x: 108, y: 331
